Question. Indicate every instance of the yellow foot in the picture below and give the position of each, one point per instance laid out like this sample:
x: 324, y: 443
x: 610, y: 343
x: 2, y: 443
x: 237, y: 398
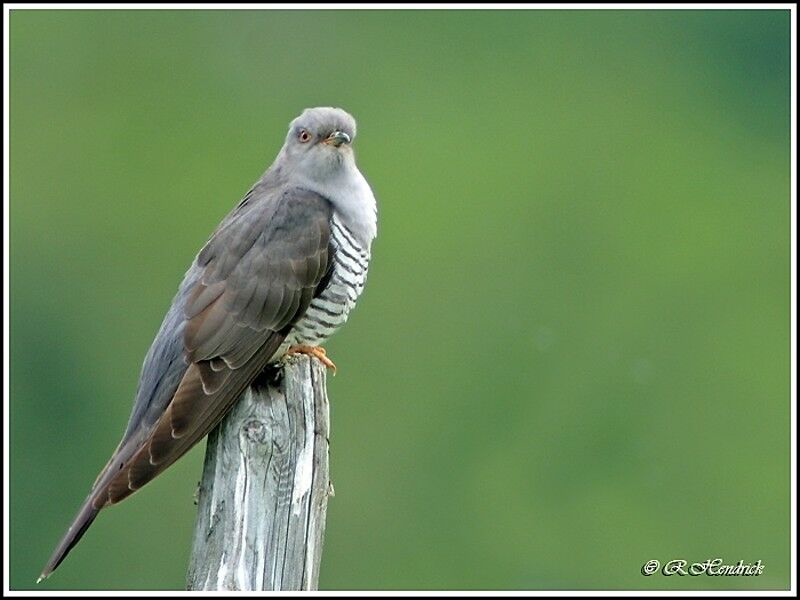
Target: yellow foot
x: 316, y: 351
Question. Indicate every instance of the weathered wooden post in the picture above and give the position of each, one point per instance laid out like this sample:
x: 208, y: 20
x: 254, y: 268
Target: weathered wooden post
x: 264, y: 492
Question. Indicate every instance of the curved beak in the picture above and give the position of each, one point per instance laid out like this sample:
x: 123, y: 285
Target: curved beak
x: 337, y: 138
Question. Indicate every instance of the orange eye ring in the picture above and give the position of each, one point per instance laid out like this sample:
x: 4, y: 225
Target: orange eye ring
x: 304, y: 136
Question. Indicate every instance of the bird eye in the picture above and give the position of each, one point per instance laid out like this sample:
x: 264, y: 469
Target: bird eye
x: 304, y: 136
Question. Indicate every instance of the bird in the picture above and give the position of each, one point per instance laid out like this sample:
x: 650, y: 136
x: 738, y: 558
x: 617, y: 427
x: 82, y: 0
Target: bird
x: 277, y: 277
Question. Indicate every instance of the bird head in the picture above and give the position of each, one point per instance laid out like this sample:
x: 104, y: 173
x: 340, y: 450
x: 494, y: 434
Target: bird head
x: 321, y: 140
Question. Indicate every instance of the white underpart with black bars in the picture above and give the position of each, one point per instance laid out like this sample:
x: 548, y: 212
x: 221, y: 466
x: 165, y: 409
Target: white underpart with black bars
x: 328, y: 311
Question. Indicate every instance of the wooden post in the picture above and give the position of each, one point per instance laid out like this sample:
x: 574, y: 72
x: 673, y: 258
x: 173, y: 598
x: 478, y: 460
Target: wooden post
x: 264, y: 493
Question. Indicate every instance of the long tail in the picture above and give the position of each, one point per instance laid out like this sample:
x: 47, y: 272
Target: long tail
x: 80, y: 524
x: 86, y: 515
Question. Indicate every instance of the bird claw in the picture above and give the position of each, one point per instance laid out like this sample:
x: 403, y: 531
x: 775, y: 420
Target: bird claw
x: 317, y: 352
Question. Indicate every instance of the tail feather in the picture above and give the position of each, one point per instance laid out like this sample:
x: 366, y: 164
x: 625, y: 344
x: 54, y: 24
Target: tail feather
x: 80, y: 524
x: 93, y: 504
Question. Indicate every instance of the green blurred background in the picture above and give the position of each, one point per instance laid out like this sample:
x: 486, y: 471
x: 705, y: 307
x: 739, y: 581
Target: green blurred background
x: 572, y: 355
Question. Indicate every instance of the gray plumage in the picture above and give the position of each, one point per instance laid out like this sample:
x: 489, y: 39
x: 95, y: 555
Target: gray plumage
x: 284, y: 267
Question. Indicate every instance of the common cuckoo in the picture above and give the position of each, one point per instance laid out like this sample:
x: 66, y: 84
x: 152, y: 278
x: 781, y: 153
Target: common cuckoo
x: 278, y: 276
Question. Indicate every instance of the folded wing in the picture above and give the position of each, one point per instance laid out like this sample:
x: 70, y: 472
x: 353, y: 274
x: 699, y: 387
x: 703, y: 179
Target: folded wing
x: 254, y: 278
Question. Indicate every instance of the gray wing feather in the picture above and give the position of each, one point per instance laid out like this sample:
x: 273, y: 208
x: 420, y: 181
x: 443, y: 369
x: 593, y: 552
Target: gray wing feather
x: 255, y: 277
x: 252, y: 280
x: 164, y: 365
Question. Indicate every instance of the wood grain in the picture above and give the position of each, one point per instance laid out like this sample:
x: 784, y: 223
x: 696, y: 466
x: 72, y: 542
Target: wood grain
x: 264, y: 493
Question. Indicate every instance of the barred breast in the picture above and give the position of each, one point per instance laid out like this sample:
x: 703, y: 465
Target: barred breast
x: 330, y: 309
